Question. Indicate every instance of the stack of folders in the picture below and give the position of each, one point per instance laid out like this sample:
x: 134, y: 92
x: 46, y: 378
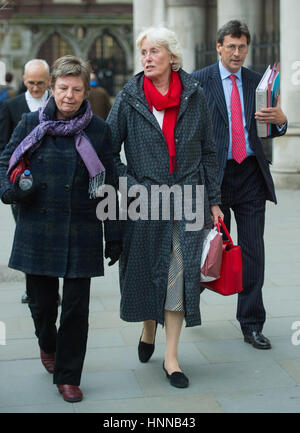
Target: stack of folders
x: 266, y: 96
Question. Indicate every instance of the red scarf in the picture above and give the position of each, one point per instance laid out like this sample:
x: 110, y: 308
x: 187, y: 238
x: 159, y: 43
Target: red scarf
x: 170, y: 102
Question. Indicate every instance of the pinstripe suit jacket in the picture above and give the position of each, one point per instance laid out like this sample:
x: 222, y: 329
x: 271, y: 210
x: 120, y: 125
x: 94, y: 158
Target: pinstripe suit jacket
x: 211, y: 83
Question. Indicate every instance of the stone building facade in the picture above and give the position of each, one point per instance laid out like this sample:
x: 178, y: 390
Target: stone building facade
x: 104, y: 31
x: 100, y: 31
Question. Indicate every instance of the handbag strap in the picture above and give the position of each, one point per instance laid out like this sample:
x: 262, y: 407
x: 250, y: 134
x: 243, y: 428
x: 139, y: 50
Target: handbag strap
x: 221, y: 222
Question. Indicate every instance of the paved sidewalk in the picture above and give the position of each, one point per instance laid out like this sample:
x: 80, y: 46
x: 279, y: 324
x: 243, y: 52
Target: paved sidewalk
x: 226, y: 374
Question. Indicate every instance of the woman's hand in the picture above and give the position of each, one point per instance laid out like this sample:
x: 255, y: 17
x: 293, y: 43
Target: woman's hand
x: 215, y: 213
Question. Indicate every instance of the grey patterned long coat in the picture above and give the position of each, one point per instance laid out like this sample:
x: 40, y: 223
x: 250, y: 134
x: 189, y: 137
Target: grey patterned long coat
x: 145, y: 260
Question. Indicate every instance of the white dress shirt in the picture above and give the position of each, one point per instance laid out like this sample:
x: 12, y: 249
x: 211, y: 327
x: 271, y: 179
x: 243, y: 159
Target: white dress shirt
x: 35, y: 103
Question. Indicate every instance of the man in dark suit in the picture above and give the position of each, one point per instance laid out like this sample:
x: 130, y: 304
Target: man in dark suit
x: 36, y: 79
x: 244, y: 173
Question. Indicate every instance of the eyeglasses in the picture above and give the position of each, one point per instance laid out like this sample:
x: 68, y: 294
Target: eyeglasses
x: 36, y: 83
x: 231, y: 48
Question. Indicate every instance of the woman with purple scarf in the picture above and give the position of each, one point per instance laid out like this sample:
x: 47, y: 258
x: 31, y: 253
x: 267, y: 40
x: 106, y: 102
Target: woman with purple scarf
x: 69, y: 153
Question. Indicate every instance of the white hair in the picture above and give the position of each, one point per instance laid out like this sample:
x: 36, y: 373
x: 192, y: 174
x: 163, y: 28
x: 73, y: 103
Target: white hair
x: 165, y: 38
x: 36, y: 62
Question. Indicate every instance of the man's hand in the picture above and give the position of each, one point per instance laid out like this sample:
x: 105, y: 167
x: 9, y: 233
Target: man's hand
x: 271, y: 115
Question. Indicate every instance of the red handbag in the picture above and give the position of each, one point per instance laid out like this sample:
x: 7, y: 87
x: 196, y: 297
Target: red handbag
x: 231, y: 275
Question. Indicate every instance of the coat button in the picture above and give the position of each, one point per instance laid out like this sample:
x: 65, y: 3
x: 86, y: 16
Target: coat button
x: 43, y: 185
x: 43, y: 210
x: 67, y: 187
x: 66, y: 211
x: 39, y: 158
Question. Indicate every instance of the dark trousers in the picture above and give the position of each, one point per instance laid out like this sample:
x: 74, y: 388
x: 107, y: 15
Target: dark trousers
x: 243, y: 191
x: 69, y: 341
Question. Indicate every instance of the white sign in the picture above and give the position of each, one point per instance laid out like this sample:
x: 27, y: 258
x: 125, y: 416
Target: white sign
x: 296, y: 74
x: 296, y: 335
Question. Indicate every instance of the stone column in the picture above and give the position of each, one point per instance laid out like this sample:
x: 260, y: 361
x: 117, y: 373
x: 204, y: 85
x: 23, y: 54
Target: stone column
x: 286, y: 149
x: 159, y: 13
x: 250, y: 12
x: 2, y: 73
x: 187, y: 18
x: 142, y: 18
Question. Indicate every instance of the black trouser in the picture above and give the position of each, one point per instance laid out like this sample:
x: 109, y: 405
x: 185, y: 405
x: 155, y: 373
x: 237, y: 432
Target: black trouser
x: 243, y: 191
x: 69, y: 342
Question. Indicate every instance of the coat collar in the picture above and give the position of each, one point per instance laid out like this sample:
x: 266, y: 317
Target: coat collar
x: 134, y: 92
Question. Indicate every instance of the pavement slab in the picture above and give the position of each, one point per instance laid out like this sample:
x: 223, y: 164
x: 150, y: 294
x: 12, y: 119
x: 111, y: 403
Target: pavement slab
x: 226, y: 375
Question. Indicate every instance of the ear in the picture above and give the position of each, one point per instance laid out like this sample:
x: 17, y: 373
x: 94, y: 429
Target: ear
x: 219, y: 47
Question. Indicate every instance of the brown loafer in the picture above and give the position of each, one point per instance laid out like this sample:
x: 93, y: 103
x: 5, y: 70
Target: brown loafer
x: 70, y: 393
x: 48, y: 360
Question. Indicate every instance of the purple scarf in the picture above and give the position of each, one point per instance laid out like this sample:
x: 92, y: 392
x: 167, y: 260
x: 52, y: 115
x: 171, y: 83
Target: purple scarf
x: 73, y: 127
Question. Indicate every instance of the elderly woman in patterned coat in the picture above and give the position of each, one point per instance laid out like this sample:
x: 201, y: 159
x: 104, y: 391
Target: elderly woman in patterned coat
x: 162, y: 118
x: 68, y: 150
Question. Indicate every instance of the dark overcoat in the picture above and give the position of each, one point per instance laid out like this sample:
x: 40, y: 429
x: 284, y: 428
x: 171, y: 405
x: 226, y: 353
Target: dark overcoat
x: 59, y: 233
x: 145, y: 259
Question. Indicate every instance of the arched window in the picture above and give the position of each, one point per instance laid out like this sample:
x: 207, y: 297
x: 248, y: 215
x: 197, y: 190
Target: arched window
x: 53, y: 48
x: 108, y: 61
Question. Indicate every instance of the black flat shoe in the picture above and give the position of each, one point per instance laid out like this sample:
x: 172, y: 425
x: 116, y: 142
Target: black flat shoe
x: 145, y: 350
x: 177, y: 379
x: 258, y: 340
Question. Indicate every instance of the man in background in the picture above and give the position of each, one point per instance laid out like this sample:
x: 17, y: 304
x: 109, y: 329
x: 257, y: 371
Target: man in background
x: 7, y: 91
x: 99, y: 98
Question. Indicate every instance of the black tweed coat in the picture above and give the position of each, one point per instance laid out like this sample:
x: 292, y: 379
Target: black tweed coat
x: 145, y: 259
x: 59, y: 234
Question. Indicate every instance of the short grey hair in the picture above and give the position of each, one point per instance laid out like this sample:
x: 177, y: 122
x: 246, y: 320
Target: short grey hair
x: 36, y: 62
x: 165, y: 38
x: 71, y: 65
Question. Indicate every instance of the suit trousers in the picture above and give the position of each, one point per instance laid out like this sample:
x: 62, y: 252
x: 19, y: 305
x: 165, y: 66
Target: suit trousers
x: 69, y: 341
x: 244, y: 192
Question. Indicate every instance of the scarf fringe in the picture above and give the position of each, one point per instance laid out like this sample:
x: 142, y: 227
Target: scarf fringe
x: 95, y: 183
